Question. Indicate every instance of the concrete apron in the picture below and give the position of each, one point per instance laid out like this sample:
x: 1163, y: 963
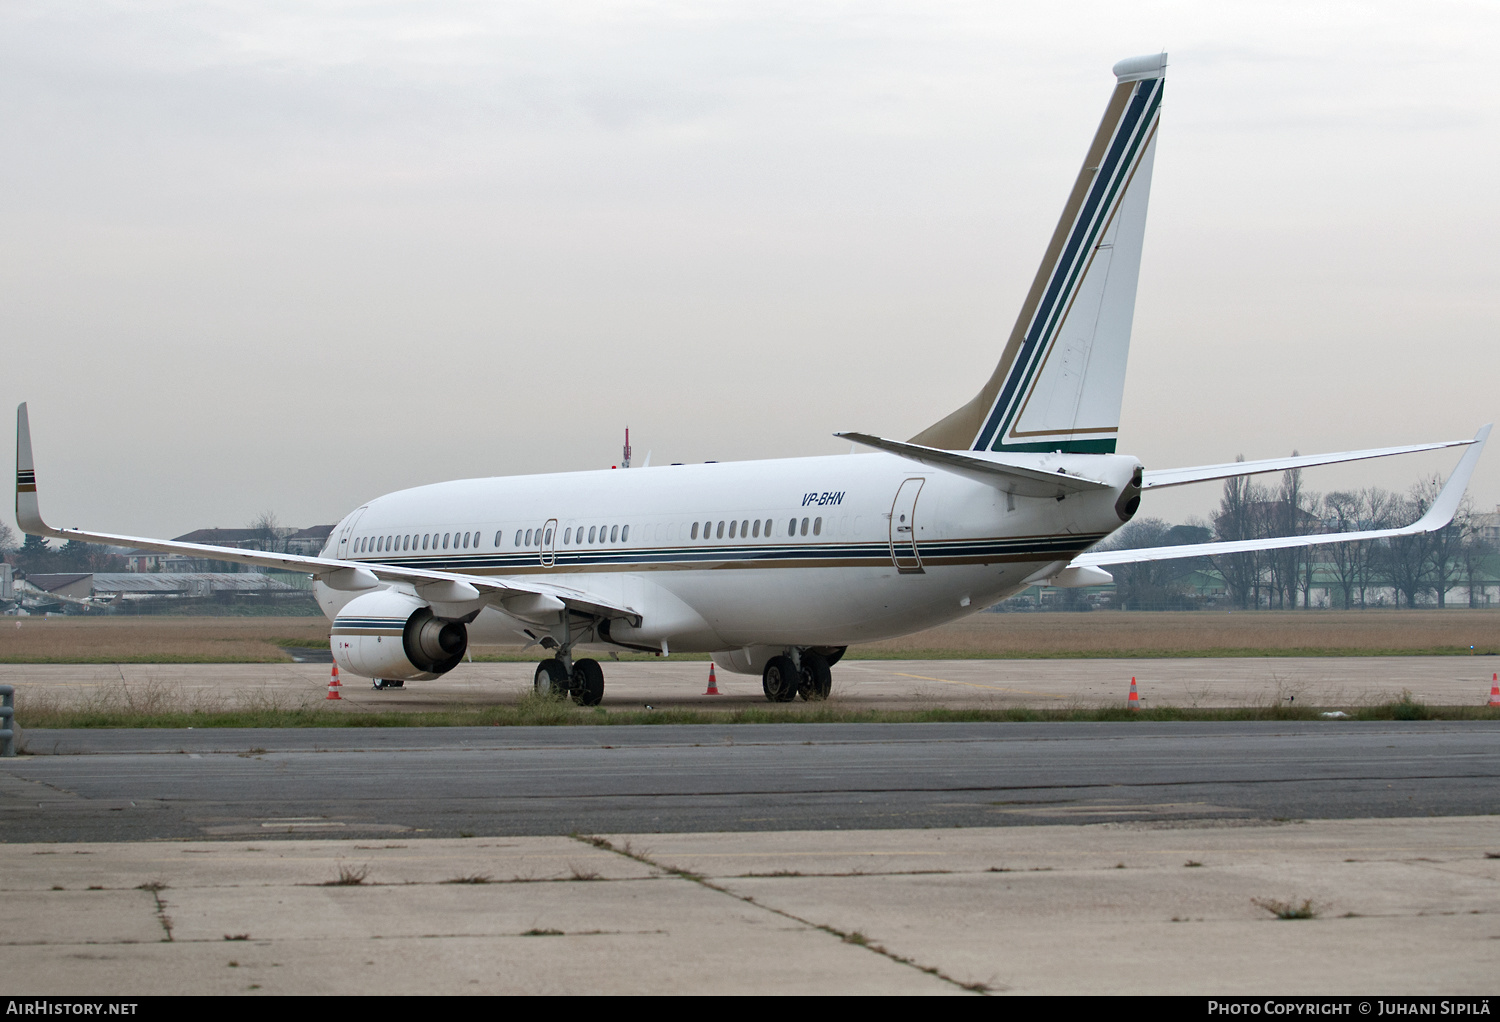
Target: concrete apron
x: 1399, y: 906
x: 858, y: 684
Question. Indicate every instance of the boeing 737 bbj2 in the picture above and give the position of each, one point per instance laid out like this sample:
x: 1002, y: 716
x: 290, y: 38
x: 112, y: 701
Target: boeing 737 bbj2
x: 775, y: 567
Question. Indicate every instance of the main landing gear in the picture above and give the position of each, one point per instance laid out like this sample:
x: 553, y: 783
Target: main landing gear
x: 584, y: 684
x: 802, y: 673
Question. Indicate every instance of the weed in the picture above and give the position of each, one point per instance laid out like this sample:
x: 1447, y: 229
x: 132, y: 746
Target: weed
x: 152, y: 885
x: 466, y: 833
x: 855, y: 937
x: 96, y: 887
x: 234, y: 965
x: 236, y: 936
x: 1492, y: 855
x: 1191, y: 863
x: 1288, y: 909
x: 535, y: 932
x: 1119, y: 865
x: 472, y: 878
x: 349, y: 876
x: 581, y: 874
x: 58, y: 887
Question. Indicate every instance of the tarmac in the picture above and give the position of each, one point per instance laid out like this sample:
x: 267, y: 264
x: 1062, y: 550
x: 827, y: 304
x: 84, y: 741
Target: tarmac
x: 1397, y: 906
x: 865, y: 684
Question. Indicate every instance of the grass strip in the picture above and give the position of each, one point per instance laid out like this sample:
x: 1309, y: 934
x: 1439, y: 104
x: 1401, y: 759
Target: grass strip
x: 534, y: 711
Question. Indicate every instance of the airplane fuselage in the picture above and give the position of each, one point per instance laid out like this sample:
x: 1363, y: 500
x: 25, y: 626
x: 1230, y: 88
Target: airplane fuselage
x: 822, y: 551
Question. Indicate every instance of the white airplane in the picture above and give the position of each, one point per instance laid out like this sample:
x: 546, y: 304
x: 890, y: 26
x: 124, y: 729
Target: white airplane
x: 776, y: 567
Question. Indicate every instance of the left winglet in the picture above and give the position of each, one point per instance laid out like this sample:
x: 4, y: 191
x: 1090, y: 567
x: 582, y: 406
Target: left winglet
x: 28, y: 514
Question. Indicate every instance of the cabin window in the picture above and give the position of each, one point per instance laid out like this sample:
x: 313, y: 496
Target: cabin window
x: 548, y: 540
x: 498, y: 535
x: 731, y: 529
x: 405, y: 542
x: 695, y: 530
x: 518, y: 537
x: 624, y: 533
x: 380, y: 544
x: 756, y: 528
x: 791, y: 529
x: 744, y: 529
x: 591, y: 533
x: 804, y: 526
x: 528, y: 537
x: 614, y: 533
x: 817, y: 526
x: 445, y: 539
x: 769, y: 523
x: 567, y: 536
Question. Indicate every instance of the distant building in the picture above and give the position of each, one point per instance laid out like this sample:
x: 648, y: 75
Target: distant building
x: 308, y: 542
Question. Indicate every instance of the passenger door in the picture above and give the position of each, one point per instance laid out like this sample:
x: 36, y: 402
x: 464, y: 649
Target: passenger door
x: 549, y: 543
x: 904, y: 553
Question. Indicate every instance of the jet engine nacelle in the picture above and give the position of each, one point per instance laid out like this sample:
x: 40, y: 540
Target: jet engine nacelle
x: 394, y: 635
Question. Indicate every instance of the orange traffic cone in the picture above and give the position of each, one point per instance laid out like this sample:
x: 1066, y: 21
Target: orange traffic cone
x: 1495, y: 690
x: 1135, y: 700
x: 713, y: 682
x: 335, y: 683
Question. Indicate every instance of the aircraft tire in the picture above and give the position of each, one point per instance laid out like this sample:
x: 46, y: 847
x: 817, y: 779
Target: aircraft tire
x: 816, y: 680
x: 551, y: 679
x: 779, y: 679
x: 588, y: 682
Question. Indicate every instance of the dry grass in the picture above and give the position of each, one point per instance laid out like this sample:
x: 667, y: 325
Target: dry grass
x: 127, y: 640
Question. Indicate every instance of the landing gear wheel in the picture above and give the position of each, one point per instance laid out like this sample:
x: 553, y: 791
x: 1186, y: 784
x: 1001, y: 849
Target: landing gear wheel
x: 551, y: 679
x: 588, y: 682
x: 779, y: 679
x: 816, y: 680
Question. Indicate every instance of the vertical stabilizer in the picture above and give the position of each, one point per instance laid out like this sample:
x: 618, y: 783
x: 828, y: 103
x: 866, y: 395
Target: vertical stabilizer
x: 1062, y: 375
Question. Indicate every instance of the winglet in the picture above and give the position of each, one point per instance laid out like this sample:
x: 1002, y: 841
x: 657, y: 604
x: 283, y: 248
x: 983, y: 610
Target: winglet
x: 28, y: 515
x: 1446, y: 505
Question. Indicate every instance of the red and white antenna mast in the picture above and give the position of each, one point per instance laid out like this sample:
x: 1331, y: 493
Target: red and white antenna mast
x: 625, y: 460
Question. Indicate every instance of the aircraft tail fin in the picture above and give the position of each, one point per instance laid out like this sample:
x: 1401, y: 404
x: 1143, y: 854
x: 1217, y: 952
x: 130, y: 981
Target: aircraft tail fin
x: 1061, y: 377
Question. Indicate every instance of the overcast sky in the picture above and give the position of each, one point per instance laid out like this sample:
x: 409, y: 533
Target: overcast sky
x: 293, y: 255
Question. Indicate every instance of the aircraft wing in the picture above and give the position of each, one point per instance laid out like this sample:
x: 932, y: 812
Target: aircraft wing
x: 1438, y: 515
x: 990, y: 469
x: 1158, y: 478
x: 439, y: 586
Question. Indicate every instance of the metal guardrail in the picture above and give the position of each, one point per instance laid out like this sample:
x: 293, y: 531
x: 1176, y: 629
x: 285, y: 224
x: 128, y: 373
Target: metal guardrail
x: 7, y: 721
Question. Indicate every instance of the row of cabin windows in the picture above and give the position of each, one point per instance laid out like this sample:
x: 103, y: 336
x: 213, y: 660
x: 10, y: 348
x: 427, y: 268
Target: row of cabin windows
x: 752, y: 530
x: 596, y: 533
x: 382, y: 544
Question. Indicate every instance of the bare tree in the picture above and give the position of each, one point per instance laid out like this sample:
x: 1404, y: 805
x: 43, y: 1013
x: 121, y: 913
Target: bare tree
x: 1240, y: 518
x: 272, y: 535
x: 1154, y: 585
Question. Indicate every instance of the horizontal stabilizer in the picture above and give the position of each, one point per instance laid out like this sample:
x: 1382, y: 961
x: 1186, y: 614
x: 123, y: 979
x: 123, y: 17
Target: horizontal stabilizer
x: 1158, y: 478
x: 994, y: 470
x: 1438, y: 515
